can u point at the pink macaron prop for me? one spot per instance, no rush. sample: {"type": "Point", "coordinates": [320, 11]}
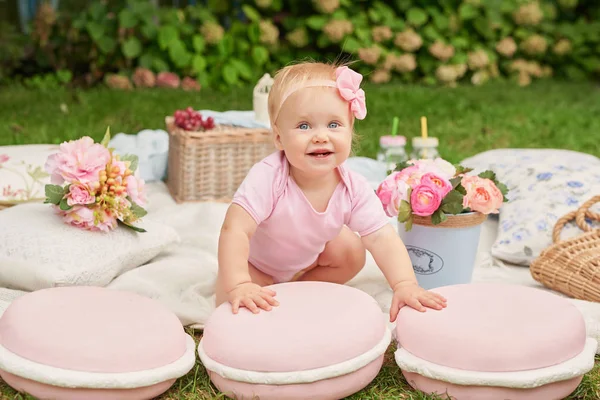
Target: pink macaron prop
{"type": "Point", "coordinates": [84, 342]}
{"type": "Point", "coordinates": [495, 341]}
{"type": "Point", "coordinates": [324, 341]}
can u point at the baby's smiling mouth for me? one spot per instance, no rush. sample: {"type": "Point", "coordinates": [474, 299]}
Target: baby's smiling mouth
{"type": "Point", "coordinates": [320, 153]}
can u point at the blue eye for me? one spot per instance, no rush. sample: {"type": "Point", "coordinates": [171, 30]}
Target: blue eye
{"type": "Point", "coordinates": [333, 125]}
{"type": "Point", "coordinates": [303, 126]}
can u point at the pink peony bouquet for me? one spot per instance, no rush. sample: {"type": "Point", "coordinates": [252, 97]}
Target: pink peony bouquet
{"type": "Point", "coordinates": [94, 189]}
{"type": "Point", "coordinates": [436, 188]}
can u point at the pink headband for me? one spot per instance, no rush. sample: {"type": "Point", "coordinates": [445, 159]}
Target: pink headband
{"type": "Point", "coordinates": [348, 82]}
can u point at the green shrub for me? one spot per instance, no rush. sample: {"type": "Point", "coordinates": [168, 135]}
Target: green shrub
{"type": "Point", "coordinates": [428, 41]}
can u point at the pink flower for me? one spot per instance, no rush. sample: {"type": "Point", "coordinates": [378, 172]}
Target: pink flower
{"type": "Point", "coordinates": [92, 219]}
{"type": "Point", "coordinates": [3, 158]}
{"type": "Point", "coordinates": [391, 192]}
{"type": "Point", "coordinates": [425, 199]}
{"type": "Point", "coordinates": [443, 185]}
{"type": "Point", "coordinates": [79, 194]}
{"type": "Point", "coordinates": [80, 160]}
{"type": "Point", "coordinates": [411, 175]}
{"type": "Point", "coordinates": [135, 189]}
{"type": "Point", "coordinates": [482, 195]}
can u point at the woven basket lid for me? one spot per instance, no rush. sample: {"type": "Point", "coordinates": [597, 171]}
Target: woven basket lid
{"type": "Point", "coordinates": [92, 329]}
{"type": "Point", "coordinates": [494, 328]}
{"type": "Point", "coordinates": [316, 325]}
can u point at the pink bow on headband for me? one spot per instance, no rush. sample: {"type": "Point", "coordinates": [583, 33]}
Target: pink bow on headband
{"type": "Point", "coordinates": [348, 82]}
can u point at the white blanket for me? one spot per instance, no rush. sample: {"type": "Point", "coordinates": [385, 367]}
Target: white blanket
{"type": "Point", "coordinates": [183, 277]}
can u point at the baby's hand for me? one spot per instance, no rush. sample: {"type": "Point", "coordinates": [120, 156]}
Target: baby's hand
{"type": "Point", "coordinates": [411, 294]}
{"type": "Point", "coordinates": [251, 296]}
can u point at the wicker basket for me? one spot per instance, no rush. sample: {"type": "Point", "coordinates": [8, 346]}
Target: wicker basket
{"type": "Point", "coordinates": [210, 165]}
{"type": "Point", "coordinates": [572, 266]}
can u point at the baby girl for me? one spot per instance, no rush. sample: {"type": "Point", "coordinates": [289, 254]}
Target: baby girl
{"type": "Point", "coordinates": [300, 214]}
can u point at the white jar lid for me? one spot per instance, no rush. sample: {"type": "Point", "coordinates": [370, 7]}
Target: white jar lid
{"type": "Point", "coordinates": [420, 141]}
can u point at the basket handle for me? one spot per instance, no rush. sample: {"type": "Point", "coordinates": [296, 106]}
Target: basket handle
{"type": "Point", "coordinates": [579, 215]}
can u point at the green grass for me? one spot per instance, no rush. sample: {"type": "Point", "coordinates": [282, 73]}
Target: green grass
{"type": "Point", "coordinates": [389, 384]}
{"type": "Point", "coordinates": [467, 120]}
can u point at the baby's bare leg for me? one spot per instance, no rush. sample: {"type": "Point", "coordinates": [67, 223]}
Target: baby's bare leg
{"type": "Point", "coordinates": [341, 260]}
{"type": "Point", "coordinates": [258, 277]}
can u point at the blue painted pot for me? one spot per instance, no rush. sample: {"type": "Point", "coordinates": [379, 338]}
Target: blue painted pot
{"type": "Point", "coordinates": [443, 254]}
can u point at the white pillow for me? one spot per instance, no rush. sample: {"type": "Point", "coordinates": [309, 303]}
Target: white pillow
{"type": "Point", "coordinates": [540, 194]}
{"type": "Point", "coordinates": [503, 160]}
{"type": "Point", "coordinates": [38, 250]}
{"type": "Point", "coordinates": [22, 174]}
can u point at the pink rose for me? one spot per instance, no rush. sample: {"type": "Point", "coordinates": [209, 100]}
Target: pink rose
{"type": "Point", "coordinates": [425, 199]}
{"type": "Point", "coordinates": [3, 158]}
{"type": "Point", "coordinates": [92, 219]}
{"type": "Point", "coordinates": [79, 194]}
{"type": "Point", "coordinates": [78, 161]}
{"type": "Point", "coordinates": [135, 189]}
{"type": "Point", "coordinates": [482, 195]}
{"type": "Point", "coordinates": [442, 184]}
{"type": "Point", "coordinates": [411, 175]}
{"type": "Point", "coordinates": [391, 192]}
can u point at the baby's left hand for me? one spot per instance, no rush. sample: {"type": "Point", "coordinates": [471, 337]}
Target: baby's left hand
{"type": "Point", "coordinates": [411, 294]}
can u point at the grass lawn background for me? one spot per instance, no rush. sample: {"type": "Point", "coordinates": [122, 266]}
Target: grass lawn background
{"type": "Point", "coordinates": [467, 120]}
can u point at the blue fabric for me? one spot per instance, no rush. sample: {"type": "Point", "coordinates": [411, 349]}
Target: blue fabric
{"type": "Point", "coordinates": [234, 117]}
{"type": "Point", "coordinates": [152, 149]}
{"type": "Point", "coordinates": [152, 145]}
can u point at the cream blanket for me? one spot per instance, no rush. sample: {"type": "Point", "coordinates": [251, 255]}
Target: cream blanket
{"type": "Point", "coordinates": [183, 277]}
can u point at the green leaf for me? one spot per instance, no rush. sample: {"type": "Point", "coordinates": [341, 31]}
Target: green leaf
{"type": "Point", "coordinates": [462, 170]}
{"type": "Point", "coordinates": [133, 159]}
{"type": "Point", "coordinates": [488, 174]}
{"type": "Point", "coordinates": [438, 217]}
{"type": "Point", "coordinates": [242, 67]}
{"type": "Point", "coordinates": [37, 173]}
{"type": "Point", "coordinates": [351, 45]}
{"type": "Point", "coordinates": [455, 181]}
{"type": "Point", "coordinates": [199, 43]}
{"type": "Point", "coordinates": [132, 47]}
{"type": "Point", "coordinates": [166, 35]}
{"type": "Point", "coordinates": [95, 30]}
{"type": "Point", "coordinates": [452, 203]}
{"type": "Point", "coordinates": [230, 74]}
{"type": "Point", "coordinates": [404, 211]}
{"type": "Point", "coordinates": [106, 138]}
{"type": "Point", "coordinates": [316, 22]}
{"type": "Point", "coordinates": [198, 63]}
{"type": "Point", "coordinates": [135, 228]}
{"type": "Point", "coordinates": [64, 205]}
{"type": "Point", "coordinates": [251, 13]}
{"type": "Point", "coordinates": [138, 211]}
{"type": "Point", "coordinates": [260, 55]}
{"type": "Point", "coordinates": [416, 16]}
{"type": "Point", "coordinates": [106, 44]}
{"type": "Point", "coordinates": [127, 18]}
{"type": "Point", "coordinates": [467, 11]}
{"type": "Point", "coordinates": [54, 194]}
{"type": "Point", "coordinates": [401, 165]}
{"type": "Point", "coordinates": [408, 224]}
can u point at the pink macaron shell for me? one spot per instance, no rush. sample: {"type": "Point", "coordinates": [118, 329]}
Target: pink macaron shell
{"type": "Point", "coordinates": [317, 324]}
{"type": "Point", "coordinates": [92, 329]}
{"type": "Point", "coordinates": [494, 328]}
{"type": "Point", "coordinates": [551, 391]}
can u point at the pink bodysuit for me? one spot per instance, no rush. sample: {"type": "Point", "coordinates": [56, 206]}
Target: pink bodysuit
{"type": "Point", "coordinates": [290, 233]}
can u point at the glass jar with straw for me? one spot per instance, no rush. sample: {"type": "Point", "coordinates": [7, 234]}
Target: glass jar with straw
{"type": "Point", "coordinates": [424, 147]}
{"type": "Point", "coordinates": [391, 148]}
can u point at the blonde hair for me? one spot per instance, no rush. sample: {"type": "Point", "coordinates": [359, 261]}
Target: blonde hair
{"type": "Point", "coordinates": [293, 77]}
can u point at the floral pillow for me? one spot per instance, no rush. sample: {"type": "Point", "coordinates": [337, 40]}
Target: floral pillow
{"type": "Point", "coordinates": [544, 185]}
{"type": "Point", "coordinates": [22, 175]}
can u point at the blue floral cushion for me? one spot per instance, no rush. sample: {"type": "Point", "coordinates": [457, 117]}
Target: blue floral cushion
{"type": "Point", "coordinates": [544, 185]}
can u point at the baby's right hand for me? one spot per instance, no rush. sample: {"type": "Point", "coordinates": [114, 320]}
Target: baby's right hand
{"type": "Point", "coordinates": [252, 296]}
